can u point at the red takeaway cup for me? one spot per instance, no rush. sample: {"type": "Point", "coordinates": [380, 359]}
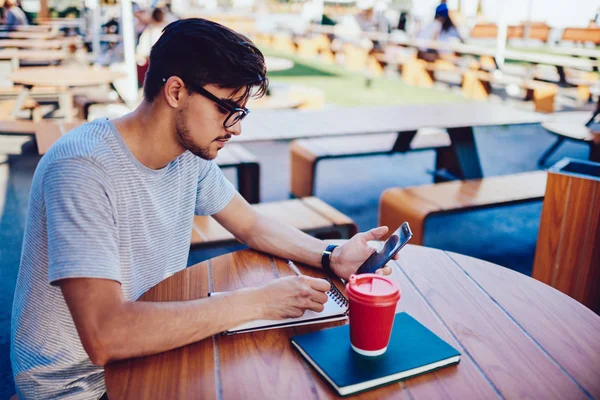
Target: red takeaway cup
{"type": "Point", "coordinates": [373, 300]}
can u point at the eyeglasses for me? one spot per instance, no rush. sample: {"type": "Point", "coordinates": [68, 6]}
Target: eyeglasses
{"type": "Point", "coordinates": [236, 114]}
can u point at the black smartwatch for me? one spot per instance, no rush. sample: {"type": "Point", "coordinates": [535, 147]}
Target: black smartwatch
{"type": "Point", "coordinates": [326, 258]}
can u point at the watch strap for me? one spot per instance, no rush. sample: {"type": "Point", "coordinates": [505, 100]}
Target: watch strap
{"type": "Point", "coordinates": [326, 258]}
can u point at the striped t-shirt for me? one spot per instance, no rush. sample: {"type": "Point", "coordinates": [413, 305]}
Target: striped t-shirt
{"type": "Point", "coordinates": [95, 211]}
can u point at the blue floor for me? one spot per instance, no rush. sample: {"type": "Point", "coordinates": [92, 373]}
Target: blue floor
{"type": "Point", "coordinates": [505, 236]}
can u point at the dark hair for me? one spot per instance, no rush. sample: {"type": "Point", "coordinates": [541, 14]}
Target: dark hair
{"type": "Point", "coordinates": [205, 52]}
{"type": "Point", "coordinates": [158, 15]}
{"type": "Point", "coordinates": [447, 24]}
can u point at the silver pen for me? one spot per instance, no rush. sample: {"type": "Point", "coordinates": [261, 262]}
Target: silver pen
{"type": "Point", "coordinates": [293, 267]}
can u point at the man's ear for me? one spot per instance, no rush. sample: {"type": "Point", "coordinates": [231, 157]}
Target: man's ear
{"type": "Point", "coordinates": [174, 90]}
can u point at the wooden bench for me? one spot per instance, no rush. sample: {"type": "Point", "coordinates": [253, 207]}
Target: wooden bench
{"type": "Point", "coordinates": [538, 30]}
{"type": "Point", "coordinates": [581, 35]}
{"type": "Point", "coordinates": [478, 85]}
{"type": "Point", "coordinates": [30, 105]}
{"type": "Point", "coordinates": [490, 31]}
{"type": "Point", "coordinates": [416, 204]}
{"type": "Point", "coordinates": [306, 153]}
{"type": "Point", "coordinates": [309, 214]}
{"type": "Point", "coordinates": [422, 73]}
{"type": "Point", "coordinates": [247, 169]}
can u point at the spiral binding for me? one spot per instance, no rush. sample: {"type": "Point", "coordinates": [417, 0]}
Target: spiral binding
{"type": "Point", "coordinates": [337, 296]}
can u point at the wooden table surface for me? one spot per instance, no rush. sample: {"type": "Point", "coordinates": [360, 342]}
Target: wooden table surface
{"type": "Point", "coordinates": [64, 76]}
{"type": "Point", "coordinates": [25, 28]}
{"type": "Point", "coordinates": [519, 338]}
{"type": "Point", "coordinates": [27, 35]}
{"type": "Point", "coordinates": [30, 44]}
{"type": "Point", "coordinates": [32, 55]}
{"type": "Point", "coordinates": [292, 124]}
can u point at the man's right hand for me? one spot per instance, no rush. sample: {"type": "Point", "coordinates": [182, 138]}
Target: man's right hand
{"type": "Point", "coordinates": [290, 297]}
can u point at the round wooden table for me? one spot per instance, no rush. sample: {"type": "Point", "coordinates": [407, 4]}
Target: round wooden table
{"type": "Point", "coordinates": [61, 77]}
{"type": "Point", "coordinates": [519, 338]}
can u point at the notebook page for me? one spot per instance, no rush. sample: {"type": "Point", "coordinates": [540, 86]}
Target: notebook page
{"type": "Point", "coordinates": [332, 308]}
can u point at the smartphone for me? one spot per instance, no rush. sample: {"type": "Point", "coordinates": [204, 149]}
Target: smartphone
{"type": "Point", "coordinates": [387, 250]}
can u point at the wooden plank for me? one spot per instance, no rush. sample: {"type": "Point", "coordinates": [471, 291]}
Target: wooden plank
{"type": "Point", "coordinates": [504, 188]}
{"type": "Point", "coordinates": [24, 127]}
{"type": "Point", "coordinates": [480, 192]}
{"type": "Point", "coordinates": [574, 246]}
{"type": "Point", "coordinates": [207, 229]}
{"type": "Point", "coordinates": [184, 373]}
{"type": "Point", "coordinates": [320, 385]}
{"type": "Point", "coordinates": [582, 35]}
{"type": "Point", "coordinates": [506, 355]}
{"type": "Point", "coordinates": [64, 76]}
{"type": "Point", "coordinates": [398, 205]}
{"type": "Point", "coordinates": [564, 328]}
{"type": "Point", "coordinates": [463, 381]}
{"type": "Point", "coordinates": [30, 44]}
{"type": "Point", "coordinates": [447, 195]}
{"type": "Point", "coordinates": [47, 133]}
{"type": "Point", "coordinates": [295, 213]}
{"type": "Point", "coordinates": [548, 243]}
{"type": "Point", "coordinates": [324, 209]}
{"type": "Point", "coordinates": [258, 362]}
{"type": "Point", "coordinates": [588, 282]}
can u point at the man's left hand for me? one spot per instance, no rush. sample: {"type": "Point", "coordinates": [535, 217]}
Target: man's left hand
{"type": "Point", "coordinates": [346, 258]}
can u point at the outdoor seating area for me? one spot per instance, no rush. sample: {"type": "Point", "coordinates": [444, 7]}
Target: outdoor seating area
{"type": "Point", "coordinates": [475, 122]}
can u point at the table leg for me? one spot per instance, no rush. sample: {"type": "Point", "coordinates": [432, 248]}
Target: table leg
{"type": "Point", "coordinates": [248, 177]}
{"type": "Point", "coordinates": [594, 152]}
{"type": "Point", "coordinates": [113, 87]}
{"type": "Point", "coordinates": [20, 101]}
{"type": "Point", "coordinates": [65, 101]}
{"type": "Point", "coordinates": [561, 74]}
{"type": "Point", "coordinates": [461, 159]}
{"type": "Point", "coordinates": [402, 143]}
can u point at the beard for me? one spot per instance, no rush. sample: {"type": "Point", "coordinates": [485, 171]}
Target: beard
{"type": "Point", "coordinates": [185, 139]}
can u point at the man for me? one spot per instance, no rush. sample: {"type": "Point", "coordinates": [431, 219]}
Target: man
{"type": "Point", "coordinates": [111, 213]}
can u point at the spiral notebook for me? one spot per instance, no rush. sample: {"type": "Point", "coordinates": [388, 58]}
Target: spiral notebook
{"type": "Point", "coordinates": [336, 309]}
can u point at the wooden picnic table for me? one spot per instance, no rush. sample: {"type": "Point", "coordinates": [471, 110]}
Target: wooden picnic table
{"type": "Point", "coordinates": [16, 56]}
{"type": "Point", "coordinates": [62, 77]}
{"type": "Point", "coordinates": [519, 338]}
{"type": "Point", "coordinates": [458, 119]}
{"type": "Point", "coordinates": [62, 22]}
{"type": "Point", "coordinates": [27, 35]}
{"type": "Point", "coordinates": [30, 44]}
{"type": "Point", "coordinates": [558, 61]}
{"type": "Point", "coordinates": [25, 28]}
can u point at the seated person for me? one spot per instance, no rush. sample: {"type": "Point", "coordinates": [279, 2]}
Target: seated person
{"type": "Point", "coordinates": [13, 14]}
{"type": "Point", "coordinates": [442, 29]}
{"type": "Point", "coordinates": [111, 213]}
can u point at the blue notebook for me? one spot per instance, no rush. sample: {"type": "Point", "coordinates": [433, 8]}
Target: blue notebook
{"type": "Point", "coordinates": [413, 350]}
